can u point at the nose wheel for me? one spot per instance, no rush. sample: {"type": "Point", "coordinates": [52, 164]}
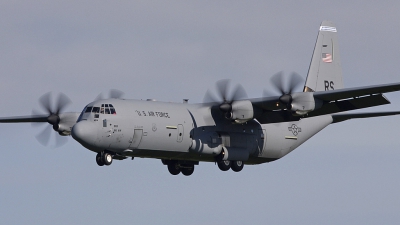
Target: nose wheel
{"type": "Point", "coordinates": [104, 158]}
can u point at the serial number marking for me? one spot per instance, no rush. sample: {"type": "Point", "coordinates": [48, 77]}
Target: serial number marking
{"type": "Point", "coordinates": [151, 113]}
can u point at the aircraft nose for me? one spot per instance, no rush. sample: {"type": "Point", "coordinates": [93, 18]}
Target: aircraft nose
{"type": "Point", "coordinates": [84, 132]}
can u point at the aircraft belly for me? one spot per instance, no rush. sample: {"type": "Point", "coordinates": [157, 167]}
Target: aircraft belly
{"type": "Point", "coordinates": [282, 138]}
{"type": "Point", "coordinates": [189, 156]}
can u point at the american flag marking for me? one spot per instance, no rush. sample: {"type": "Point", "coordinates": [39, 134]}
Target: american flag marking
{"type": "Point", "coordinates": [326, 57]}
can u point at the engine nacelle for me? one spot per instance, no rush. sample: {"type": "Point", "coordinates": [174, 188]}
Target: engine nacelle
{"type": "Point", "coordinates": [242, 111]}
{"type": "Point", "coordinates": [236, 154]}
{"type": "Point", "coordinates": [67, 121]}
{"type": "Point", "coordinates": [304, 102]}
{"type": "Point", "coordinates": [62, 129]}
{"type": "Point", "coordinates": [209, 143]}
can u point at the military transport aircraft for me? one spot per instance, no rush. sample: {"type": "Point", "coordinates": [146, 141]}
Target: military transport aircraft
{"type": "Point", "coordinates": [228, 128]}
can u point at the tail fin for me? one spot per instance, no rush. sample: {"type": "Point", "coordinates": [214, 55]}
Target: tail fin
{"type": "Point", "coordinates": [325, 72]}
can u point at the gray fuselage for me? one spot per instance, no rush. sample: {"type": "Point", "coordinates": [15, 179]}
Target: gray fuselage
{"type": "Point", "coordinates": [182, 131]}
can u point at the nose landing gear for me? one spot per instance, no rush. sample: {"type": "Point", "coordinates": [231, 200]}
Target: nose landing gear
{"type": "Point", "coordinates": [104, 158]}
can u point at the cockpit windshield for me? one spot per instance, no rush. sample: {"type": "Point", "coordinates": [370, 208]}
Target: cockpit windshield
{"type": "Point", "coordinates": [88, 109]}
{"type": "Point", "coordinates": [104, 109]}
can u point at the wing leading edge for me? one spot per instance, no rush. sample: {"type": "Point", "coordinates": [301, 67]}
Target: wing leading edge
{"type": "Point", "coordinates": [24, 119]}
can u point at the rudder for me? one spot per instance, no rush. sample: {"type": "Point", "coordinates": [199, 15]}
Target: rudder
{"type": "Point", "coordinates": [325, 72]}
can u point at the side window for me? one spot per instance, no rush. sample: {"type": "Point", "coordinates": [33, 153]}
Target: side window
{"type": "Point", "coordinates": [112, 109]}
{"type": "Point", "coordinates": [88, 109]}
{"type": "Point", "coordinates": [96, 109]}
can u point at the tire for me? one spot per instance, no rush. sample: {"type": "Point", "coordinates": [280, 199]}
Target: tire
{"type": "Point", "coordinates": [187, 171]}
{"type": "Point", "coordinates": [107, 159]}
{"type": "Point", "coordinates": [99, 160]}
{"type": "Point", "coordinates": [237, 166]}
{"type": "Point", "coordinates": [173, 168]}
{"type": "Point", "coordinates": [224, 165]}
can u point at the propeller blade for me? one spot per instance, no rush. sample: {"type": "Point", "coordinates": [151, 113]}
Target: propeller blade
{"type": "Point", "coordinates": [60, 140]}
{"type": "Point", "coordinates": [222, 89]}
{"type": "Point", "coordinates": [294, 81]}
{"type": "Point", "coordinates": [209, 97]}
{"type": "Point", "coordinates": [99, 97]}
{"type": "Point", "coordinates": [34, 113]}
{"type": "Point", "coordinates": [52, 117]}
{"type": "Point", "coordinates": [277, 83]}
{"type": "Point", "coordinates": [44, 136]}
{"type": "Point", "coordinates": [239, 93]}
{"type": "Point", "coordinates": [62, 102]}
{"type": "Point", "coordinates": [45, 102]}
{"type": "Point", "coordinates": [114, 93]}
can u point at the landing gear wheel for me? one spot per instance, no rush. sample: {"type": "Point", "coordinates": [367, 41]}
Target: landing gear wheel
{"type": "Point", "coordinates": [174, 169]}
{"type": "Point", "coordinates": [224, 165]}
{"type": "Point", "coordinates": [237, 166]}
{"type": "Point", "coordinates": [99, 160]}
{"type": "Point", "coordinates": [107, 159]}
{"type": "Point", "coordinates": [187, 171]}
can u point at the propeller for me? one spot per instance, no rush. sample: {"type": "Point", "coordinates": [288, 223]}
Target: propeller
{"type": "Point", "coordinates": [224, 97]}
{"type": "Point", "coordinates": [53, 117]}
{"type": "Point", "coordinates": [113, 93]}
{"type": "Point", "coordinates": [285, 87]}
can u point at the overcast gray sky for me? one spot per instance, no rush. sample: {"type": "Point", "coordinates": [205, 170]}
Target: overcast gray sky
{"type": "Point", "coordinates": [170, 50]}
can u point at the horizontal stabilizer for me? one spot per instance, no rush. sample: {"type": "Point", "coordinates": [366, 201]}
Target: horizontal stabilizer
{"type": "Point", "coordinates": [347, 116]}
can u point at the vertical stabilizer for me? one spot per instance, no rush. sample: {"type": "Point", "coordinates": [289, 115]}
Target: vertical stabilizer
{"type": "Point", "coordinates": [325, 72]}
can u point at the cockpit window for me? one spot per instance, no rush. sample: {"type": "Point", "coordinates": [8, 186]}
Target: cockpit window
{"type": "Point", "coordinates": [104, 109]}
{"type": "Point", "coordinates": [96, 110]}
{"type": "Point", "coordinates": [107, 109]}
{"type": "Point", "coordinates": [88, 109]}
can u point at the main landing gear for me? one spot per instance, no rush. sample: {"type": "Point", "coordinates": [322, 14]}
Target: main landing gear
{"type": "Point", "coordinates": [104, 158]}
{"type": "Point", "coordinates": [225, 165]}
{"type": "Point", "coordinates": [175, 167]}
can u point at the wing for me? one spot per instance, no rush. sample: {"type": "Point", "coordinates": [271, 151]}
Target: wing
{"type": "Point", "coordinates": [342, 117]}
{"type": "Point", "coordinates": [24, 119]}
{"type": "Point", "coordinates": [326, 102]}
{"type": "Point", "coordinates": [345, 93]}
